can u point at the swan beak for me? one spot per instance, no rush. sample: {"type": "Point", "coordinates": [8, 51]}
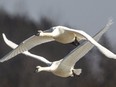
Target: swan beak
{"type": "Point", "coordinates": [39, 31]}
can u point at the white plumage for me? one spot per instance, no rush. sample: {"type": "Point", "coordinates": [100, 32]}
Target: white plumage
{"type": "Point", "coordinates": [27, 53]}
{"type": "Point", "coordinates": [65, 66]}
{"type": "Point", "coordinates": [58, 33]}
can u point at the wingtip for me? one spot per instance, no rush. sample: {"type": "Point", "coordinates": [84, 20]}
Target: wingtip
{"type": "Point", "coordinates": [1, 61]}
{"type": "Point", "coordinates": [4, 37]}
{"type": "Point", "coordinates": [110, 21]}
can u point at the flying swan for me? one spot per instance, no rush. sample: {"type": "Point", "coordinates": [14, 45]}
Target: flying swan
{"type": "Point", "coordinates": [65, 66]}
{"type": "Point", "coordinates": [60, 34]}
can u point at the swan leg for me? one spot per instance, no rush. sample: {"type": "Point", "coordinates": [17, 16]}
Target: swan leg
{"type": "Point", "coordinates": [75, 42]}
{"type": "Point", "coordinates": [39, 69]}
{"type": "Point", "coordinates": [77, 71]}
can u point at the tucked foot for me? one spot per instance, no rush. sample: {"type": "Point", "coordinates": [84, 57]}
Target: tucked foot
{"type": "Point", "coordinates": [75, 42]}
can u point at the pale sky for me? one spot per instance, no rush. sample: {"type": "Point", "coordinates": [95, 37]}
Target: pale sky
{"type": "Point", "coordinates": [88, 15]}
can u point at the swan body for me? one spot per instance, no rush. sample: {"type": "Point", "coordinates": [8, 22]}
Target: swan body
{"type": "Point", "coordinates": [59, 33]}
{"type": "Point", "coordinates": [65, 66]}
{"type": "Point", "coordinates": [64, 35]}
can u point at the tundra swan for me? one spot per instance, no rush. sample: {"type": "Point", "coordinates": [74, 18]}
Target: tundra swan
{"type": "Point", "coordinates": [65, 66]}
{"type": "Point", "coordinates": [59, 33]}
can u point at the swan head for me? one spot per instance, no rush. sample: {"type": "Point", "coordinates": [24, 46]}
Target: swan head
{"type": "Point", "coordinates": [64, 35]}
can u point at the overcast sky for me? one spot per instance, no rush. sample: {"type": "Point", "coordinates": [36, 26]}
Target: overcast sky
{"type": "Point", "coordinates": [88, 15]}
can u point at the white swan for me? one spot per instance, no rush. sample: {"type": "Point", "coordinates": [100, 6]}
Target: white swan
{"type": "Point", "coordinates": [65, 66]}
{"type": "Point", "coordinates": [58, 33]}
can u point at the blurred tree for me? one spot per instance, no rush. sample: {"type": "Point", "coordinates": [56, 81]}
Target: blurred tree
{"type": "Point", "coordinates": [98, 71]}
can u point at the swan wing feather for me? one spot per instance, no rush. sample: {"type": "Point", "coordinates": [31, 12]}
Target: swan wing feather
{"type": "Point", "coordinates": [26, 45]}
{"type": "Point", "coordinates": [84, 48]}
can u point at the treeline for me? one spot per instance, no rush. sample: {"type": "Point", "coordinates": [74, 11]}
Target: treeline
{"type": "Point", "coordinates": [97, 71]}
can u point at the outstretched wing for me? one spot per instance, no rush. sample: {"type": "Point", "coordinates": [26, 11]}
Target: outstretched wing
{"type": "Point", "coordinates": [27, 53]}
{"type": "Point", "coordinates": [27, 45]}
{"type": "Point", "coordinates": [83, 49]}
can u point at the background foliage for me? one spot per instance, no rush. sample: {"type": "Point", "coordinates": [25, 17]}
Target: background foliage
{"type": "Point", "coordinates": [98, 71]}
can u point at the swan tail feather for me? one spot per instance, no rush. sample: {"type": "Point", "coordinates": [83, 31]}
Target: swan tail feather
{"type": "Point", "coordinates": [77, 71]}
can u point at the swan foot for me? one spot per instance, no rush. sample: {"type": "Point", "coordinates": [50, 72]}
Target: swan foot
{"type": "Point", "coordinates": [75, 43]}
